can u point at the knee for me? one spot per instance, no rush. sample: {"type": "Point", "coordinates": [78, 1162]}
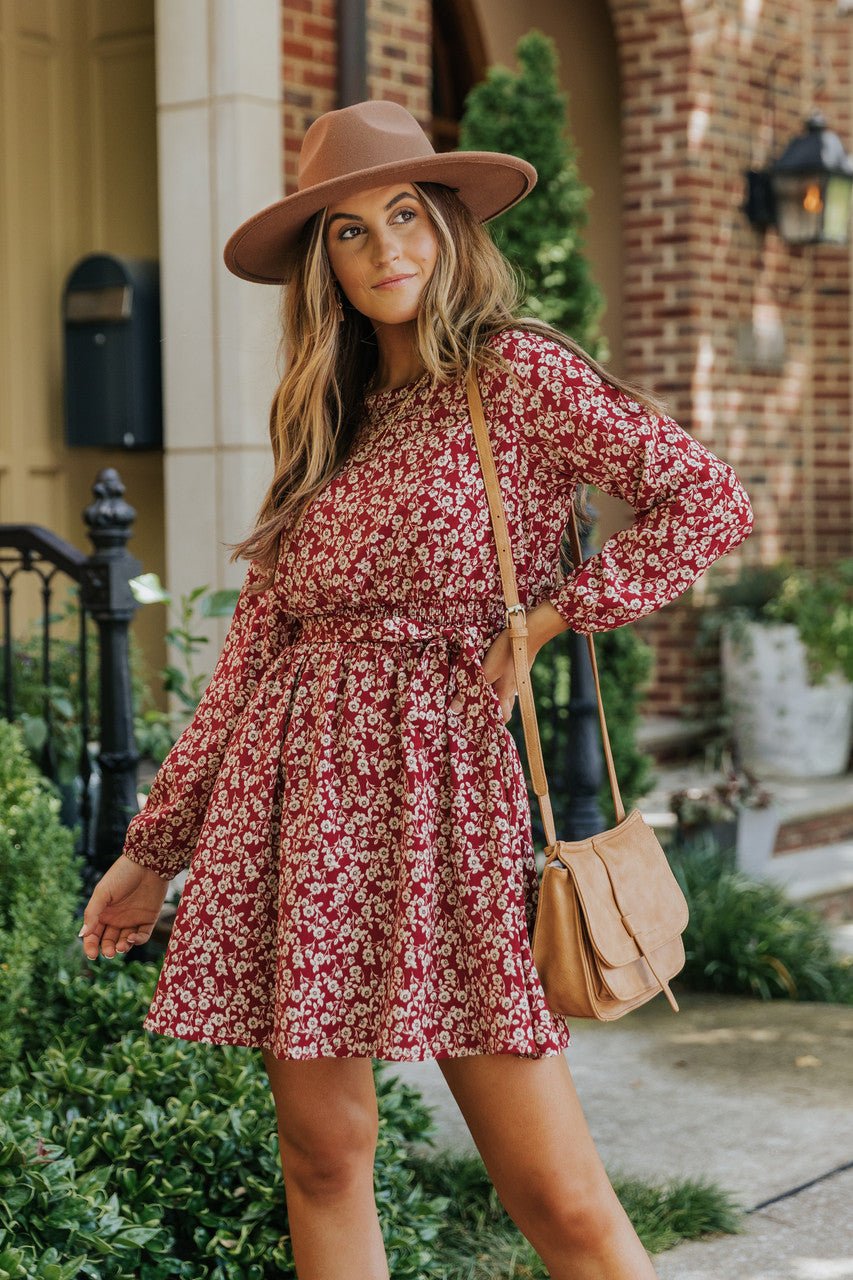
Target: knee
{"type": "Point", "coordinates": [330, 1161]}
{"type": "Point", "coordinates": [566, 1213]}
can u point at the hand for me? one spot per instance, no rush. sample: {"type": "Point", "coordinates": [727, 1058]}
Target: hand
{"type": "Point", "coordinates": [123, 908]}
{"type": "Point", "coordinates": [499, 670]}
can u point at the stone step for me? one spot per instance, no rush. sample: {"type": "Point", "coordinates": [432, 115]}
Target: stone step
{"type": "Point", "coordinates": [821, 876]}
{"type": "Point", "coordinates": [807, 830]}
{"type": "Point", "coordinates": [671, 737]}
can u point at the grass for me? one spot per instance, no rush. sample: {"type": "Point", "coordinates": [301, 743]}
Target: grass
{"type": "Point", "coordinates": [481, 1242]}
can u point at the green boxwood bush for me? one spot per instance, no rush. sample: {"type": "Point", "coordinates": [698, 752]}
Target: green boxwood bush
{"type": "Point", "coordinates": [745, 936]}
{"type": "Point", "coordinates": [165, 1152]}
{"type": "Point", "coordinates": [39, 889]}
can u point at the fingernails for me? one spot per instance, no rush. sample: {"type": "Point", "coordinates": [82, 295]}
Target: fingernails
{"type": "Point", "coordinates": [82, 931]}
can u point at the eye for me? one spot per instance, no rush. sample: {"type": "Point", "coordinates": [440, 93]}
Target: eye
{"type": "Point", "coordinates": [407, 211]}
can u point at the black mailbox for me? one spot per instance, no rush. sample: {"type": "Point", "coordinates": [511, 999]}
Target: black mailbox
{"type": "Point", "coordinates": [111, 314]}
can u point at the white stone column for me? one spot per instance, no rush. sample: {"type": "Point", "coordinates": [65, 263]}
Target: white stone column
{"type": "Point", "coordinates": [219, 160]}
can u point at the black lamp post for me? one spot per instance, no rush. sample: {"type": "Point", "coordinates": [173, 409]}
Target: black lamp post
{"type": "Point", "coordinates": [807, 193]}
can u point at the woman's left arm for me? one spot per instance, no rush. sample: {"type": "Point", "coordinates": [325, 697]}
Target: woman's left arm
{"type": "Point", "coordinates": [690, 505]}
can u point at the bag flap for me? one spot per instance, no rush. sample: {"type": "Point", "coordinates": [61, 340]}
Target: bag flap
{"type": "Point", "coordinates": [625, 865]}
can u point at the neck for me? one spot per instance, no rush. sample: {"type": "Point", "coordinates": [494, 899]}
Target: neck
{"type": "Point", "coordinates": [398, 362]}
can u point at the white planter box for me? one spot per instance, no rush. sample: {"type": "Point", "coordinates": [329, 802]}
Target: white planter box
{"type": "Point", "coordinates": [756, 836]}
{"type": "Point", "coordinates": [784, 726]}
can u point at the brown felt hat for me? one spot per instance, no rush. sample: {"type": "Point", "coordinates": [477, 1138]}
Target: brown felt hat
{"type": "Point", "coordinates": [368, 144]}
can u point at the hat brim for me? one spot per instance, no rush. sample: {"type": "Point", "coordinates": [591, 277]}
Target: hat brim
{"type": "Point", "coordinates": [489, 183]}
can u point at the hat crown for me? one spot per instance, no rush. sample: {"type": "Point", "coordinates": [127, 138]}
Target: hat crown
{"type": "Point", "coordinates": [361, 136]}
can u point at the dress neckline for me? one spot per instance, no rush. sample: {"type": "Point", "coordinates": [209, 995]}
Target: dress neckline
{"type": "Point", "coordinates": [390, 392]}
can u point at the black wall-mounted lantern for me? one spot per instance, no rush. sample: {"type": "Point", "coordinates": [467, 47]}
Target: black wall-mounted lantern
{"type": "Point", "coordinates": [807, 193]}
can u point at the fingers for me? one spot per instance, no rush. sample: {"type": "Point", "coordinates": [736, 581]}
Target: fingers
{"type": "Point", "coordinates": [111, 939]}
{"type": "Point", "coordinates": [93, 927]}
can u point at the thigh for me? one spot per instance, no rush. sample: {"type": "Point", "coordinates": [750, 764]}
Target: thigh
{"type": "Point", "coordinates": [325, 1106]}
{"type": "Point", "coordinates": [528, 1125]}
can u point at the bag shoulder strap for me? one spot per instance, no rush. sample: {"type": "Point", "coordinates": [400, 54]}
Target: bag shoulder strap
{"type": "Point", "coordinates": [517, 623]}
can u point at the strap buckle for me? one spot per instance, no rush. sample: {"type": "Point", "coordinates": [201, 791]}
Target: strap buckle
{"type": "Point", "coordinates": [515, 608]}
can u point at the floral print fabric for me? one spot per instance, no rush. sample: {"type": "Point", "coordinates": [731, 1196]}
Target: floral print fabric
{"type": "Point", "coordinates": [361, 874]}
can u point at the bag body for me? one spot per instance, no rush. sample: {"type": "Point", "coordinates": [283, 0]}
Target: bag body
{"type": "Point", "coordinates": [607, 934]}
{"type": "Point", "coordinates": [610, 912]}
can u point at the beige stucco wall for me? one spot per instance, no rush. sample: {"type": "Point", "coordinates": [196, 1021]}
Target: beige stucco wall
{"type": "Point", "coordinates": [79, 176]}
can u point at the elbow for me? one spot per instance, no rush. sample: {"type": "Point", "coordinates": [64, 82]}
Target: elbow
{"type": "Point", "coordinates": [739, 507]}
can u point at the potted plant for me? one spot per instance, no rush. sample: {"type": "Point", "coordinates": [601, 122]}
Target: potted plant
{"type": "Point", "coordinates": [787, 668]}
{"type": "Point", "coordinates": [737, 810]}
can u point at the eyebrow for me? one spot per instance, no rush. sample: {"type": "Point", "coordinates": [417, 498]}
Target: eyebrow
{"type": "Point", "coordinates": [404, 195]}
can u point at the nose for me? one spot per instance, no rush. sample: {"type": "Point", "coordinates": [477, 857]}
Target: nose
{"type": "Point", "coordinates": [385, 247]}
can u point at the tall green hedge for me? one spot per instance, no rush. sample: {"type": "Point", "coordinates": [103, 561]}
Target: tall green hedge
{"type": "Point", "coordinates": [39, 888]}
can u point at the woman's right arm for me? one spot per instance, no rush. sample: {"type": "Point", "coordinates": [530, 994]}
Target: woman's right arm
{"type": "Point", "coordinates": [163, 835]}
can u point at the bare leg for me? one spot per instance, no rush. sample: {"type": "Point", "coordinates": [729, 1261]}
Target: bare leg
{"type": "Point", "coordinates": [328, 1124]}
{"type": "Point", "coordinates": [527, 1122]}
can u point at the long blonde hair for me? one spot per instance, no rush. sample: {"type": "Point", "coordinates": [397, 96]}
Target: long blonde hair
{"type": "Point", "coordinates": [472, 294]}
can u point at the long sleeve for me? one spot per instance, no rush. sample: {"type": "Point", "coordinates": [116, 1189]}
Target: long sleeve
{"type": "Point", "coordinates": [690, 506]}
{"type": "Point", "coordinates": [163, 835]}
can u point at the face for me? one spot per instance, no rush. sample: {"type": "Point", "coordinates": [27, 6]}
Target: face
{"type": "Point", "coordinates": [376, 234]}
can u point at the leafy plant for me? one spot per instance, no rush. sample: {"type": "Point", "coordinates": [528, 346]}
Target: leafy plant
{"type": "Point", "coordinates": [57, 1220]}
{"type": "Point", "coordinates": [624, 664]}
{"type": "Point", "coordinates": [49, 712]}
{"type": "Point", "coordinates": [819, 603]}
{"type": "Point", "coordinates": [156, 731]}
{"type": "Point", "coordinates": [525, 113]}
{"type": "Point", "coordinates": [39, 885]}
{"type": "Point", "coordinates": [738, 789]}
{"type": "Point", "coordinates": [166, 1151]}
{"type": "Point", "coordinates": [745, 936]}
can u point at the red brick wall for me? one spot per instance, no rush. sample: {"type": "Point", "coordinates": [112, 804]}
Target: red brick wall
{"type": "Point", "coordinates": [309, 73]}
{"type": "Point", "coordinates": [398, 64]}
{"type": "Point", "coordinates": [399, 57]}
{"type": "Point", "coordinates": [695, 115]}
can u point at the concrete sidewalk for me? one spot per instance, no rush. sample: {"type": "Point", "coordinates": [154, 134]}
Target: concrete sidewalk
{"type": "Point", "coordinates": [755, 1095]}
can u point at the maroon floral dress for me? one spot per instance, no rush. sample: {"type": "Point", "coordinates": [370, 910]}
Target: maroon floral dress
{"type": "Point", "coordinates": [361, 872]}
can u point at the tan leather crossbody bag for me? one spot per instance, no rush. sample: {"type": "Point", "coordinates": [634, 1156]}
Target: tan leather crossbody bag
{"type": "Point", "coordinates": [610, 913]}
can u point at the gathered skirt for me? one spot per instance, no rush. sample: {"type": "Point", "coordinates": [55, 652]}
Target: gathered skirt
{"type": "Point", "coordinates": [364, 882]}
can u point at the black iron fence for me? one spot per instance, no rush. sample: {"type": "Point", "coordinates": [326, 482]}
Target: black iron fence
{"type": "Point", "coordinates": [107, 784]}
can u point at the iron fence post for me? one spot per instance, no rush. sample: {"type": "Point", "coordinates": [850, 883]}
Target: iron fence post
{"type": "Point", "coordinates": [106, 594]}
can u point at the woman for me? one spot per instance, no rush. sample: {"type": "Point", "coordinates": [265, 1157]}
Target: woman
{"type": "Point", "coordinates": [352, 808]}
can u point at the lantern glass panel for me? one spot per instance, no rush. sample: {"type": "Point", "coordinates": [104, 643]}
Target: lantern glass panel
{"type": "Point", "coordinates": [836, 220]}
{"type": "Point", "coordinates": [800, 205]}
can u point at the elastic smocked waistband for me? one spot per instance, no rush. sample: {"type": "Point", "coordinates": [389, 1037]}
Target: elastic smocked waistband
{"type": "Point", "coordinates": [386, 627]}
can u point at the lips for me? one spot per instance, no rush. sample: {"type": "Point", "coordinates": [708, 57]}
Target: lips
{"type": "Point", "coordinates": [393, 280]}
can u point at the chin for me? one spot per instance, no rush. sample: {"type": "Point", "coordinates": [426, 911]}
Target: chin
{"type": "Point", "coordinates": [399, 314]}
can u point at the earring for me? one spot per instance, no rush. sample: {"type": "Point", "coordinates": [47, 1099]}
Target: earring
{"type": "Point", "coordinates": [339, 305]}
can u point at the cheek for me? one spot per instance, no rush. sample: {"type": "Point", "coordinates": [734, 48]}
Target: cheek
{"type": "Point", "coordinates": [427, 250]}
{"type": "Point", "coordinates": [345, 269]}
